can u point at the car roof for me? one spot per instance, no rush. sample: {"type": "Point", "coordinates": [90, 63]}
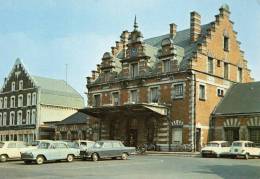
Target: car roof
{"type": "Point", "coordinates": [109, 141]}
{"type": "Point", "coordinates": [13, 141]}
{"type": "Point", "coordinates": [218, 141]}
{"type": "Point", "coordinates": [244, 141]}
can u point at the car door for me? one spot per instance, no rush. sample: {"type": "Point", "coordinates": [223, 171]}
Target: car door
{"type": "Point", "coordinates": [117, 149]}
{"type": "Point", "coordinates": [21, 147]}
{"type": "Point", "coordinates": [12, 151]}
{"type": "Point", "coordinates": [107, 149]}
{"type": "Point", "coordinates": [61, 150]}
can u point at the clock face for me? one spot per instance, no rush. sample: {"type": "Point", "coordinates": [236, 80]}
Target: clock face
{"type": "Point", "coordinates": [133, 52]}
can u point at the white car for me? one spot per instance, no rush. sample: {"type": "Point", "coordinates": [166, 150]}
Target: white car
{"type": "Point", "coordinates": [215, 149]}
{"type": "Point", "coordinates": [11, 150]}
{"type": "Point", "coordinates": [244, 148]}
{"type": "Point", "coordinates": [85, 144]}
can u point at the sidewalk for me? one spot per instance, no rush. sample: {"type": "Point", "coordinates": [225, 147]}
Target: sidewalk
{"type": "Point", "coordinates": [178, 154]}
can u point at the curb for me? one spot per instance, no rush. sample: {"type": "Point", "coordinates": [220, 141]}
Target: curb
{"type": "Point", "coordinates": [173, 154]}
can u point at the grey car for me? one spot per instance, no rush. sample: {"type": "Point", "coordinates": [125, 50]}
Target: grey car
{"type": "Point", "coordinates": [108, 149]}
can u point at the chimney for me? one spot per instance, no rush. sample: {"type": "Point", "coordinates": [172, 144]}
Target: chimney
{"type": "Point", "coordinates": [195, 28]}
{"type": "Point", "coordinates": [94, 75]}
{"type": "Point", "coordinates": [98, 68]}
{"type": "Point", "coordinates": [173, 30]}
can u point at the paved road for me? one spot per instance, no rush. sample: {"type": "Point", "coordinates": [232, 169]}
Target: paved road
{"type": "Point", "coordinates": [137, 167]}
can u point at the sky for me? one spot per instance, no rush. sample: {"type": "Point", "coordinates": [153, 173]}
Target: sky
{"type": "Point", "coordinates": [48, 34]}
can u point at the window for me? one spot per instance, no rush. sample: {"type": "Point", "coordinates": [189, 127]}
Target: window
{"type": "Point", "coordinates": [20, 84]}
{"type": "Point", "coordinates": [20, 100]}
{"type": "Point", "coordinates": [29, 99]}
{"type": "Point", "coordinates": [116, 145]}
{"type": "Point", "coordinates": [167, 66]}
{"type": "Point", "coordinates": [1, 103]}
{"type": "Point", "coordinates": [106, 75]}
{"type": "Point", "coordinates": [134, 96]}
{"type": "Point", "coordinates": [34, 99]}
{"type": "Point", "coordinates": [13, 86]}
{"type": "Point", "coordinates": [19, 117]}
{"type": "Point", "coordinates": [28, 117]}
{"type": "Point", "coordinates": [4, 119]}
{"type": "Point", "coordinates": [226, 71]}
{"type": "Point", "coordinates": [220, 92]}
{"type": "Point", "coordinates": [1, 119]}
{"type": "Point", "coordinates": [134, 70]}
{"type": "Point", "coordinates": [218, 63]}
{"type": "Point", "coordinates": [12, 102]}
{"type": "Point", "coordinates": [239, 75]}
{"type": "Point", "coordinates": [231, 134]}
{"type": "Point", "coordinates": [178, 90]}
{"type": "Point", "coordinates": [210, 65]}
{"type": "Point", "coordinates": [202, 95]}
{"type": "Point", "coordinates": [33, 119]}
{"type": "Point", "coordinates": [96, 100]}
{"type": "Point", "coordinates": [107, 145]}
{"type": "Point", "coordinates": [5, 102]}
{"type": "Point", "coordinates": [254, 135]}
{"type": "Point", "coordinates": [154, 95]}
{"type": "Point", "coordinates": [12, 118]}
{"type": "Point", "coordinates": [11, 145]}
{"type": "Point", "coordinates": [115, 98]}
{"type": "Point", "coordinates": [226, 43]}
{"type": "Point", "coordinates": [177, 135]}
{"type": "Point", "coordinates": [60, 146]}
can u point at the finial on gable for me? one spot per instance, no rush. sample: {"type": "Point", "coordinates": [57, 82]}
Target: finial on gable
{"type": "Point", "coordinates": [18, 61]}
{"type": "Point", "coordinates": [135, 24]}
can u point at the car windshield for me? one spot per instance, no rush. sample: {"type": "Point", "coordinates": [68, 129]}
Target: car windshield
{"type": "Point", "coordinates": [212, 145]}
{"type": "Point", "coordinates": [2, 144]}
{"type": "Point", "coordinates": [98, 144]}
{"type": "Point", "coordinates": [35, 143]}
{"type": "Point", "coordinates": [44, 145]}
{"type": "Point", "coordinates": [237, 144]}
{"type": "Point", "coordinates": [73, 145]}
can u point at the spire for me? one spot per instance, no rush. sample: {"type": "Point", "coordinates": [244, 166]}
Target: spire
{"type": "Point", "coordinates": [135, 24]}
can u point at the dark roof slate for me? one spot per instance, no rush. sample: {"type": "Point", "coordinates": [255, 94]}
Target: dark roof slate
{"type": "Point", "coordinates": [76, 118]}
{"type": "Point", "coordinates": [241, 98]}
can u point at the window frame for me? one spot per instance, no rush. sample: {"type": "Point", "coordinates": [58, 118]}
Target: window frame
{"type": "Point", "coordinates": [210, 65]}
{"type": "Point", "coordinates": [174, 90]}
{"type": "Point", "coordinates": [134, 70]}
{"type": "Point", "coordinates": [167, 63]}
{"type": "Point", "coordinates": [131, 96]}
{"type": "Point", "coordinates": [226, 43]}
{"type": "Point", "coordinates": [150, 94]}
{"type": "Point", "coordinates": [202, 98]}
{"type": "Point", "coordinates": [95, 101]}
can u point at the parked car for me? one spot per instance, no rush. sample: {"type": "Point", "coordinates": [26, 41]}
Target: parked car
{"type": "Point", "coordinates": [216, 149]}
{"type": "Point", "coordinates": [50, 151]}
{"type": "Point", "coordinates": [244, 148]}
{"type": "Point", "coordinates": [108, 149]}
{"type": "Point", "coordinates": [11, 150]}
{"type": "Point", "coordinates": [85, 144]}
{"type": "Point", "coordinates": [36, 143]}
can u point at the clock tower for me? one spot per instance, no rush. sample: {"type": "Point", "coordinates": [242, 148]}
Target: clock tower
{"type": "Point", "coordinates": [135, 62]}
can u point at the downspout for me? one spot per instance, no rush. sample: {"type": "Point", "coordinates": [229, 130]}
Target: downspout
{"type": "Point", "coordinates": [193, 114]}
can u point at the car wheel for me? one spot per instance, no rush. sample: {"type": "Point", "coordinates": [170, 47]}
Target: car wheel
{"type": "Point", "coordinates": [114, 158]}
{"type": "Point", "coordinates": [40, 160]}
{"type": "Point", "coordinates": [70, 158]}
{"type": "Point", "coordinates": [247, 156]}
{"type": "Point", "coordinates": [27, 161]}
{"type": "Point", "coordinates": [94, 157]}
{"type": "Point", "coordinates": [124, 156]}
{"type": "Point", "coordinates": [3, 158]}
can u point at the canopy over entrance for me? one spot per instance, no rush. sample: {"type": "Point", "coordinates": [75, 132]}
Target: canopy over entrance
{"type": "Point", "coordinates": [127, 110]}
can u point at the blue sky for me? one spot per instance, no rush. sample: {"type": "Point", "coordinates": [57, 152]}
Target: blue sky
{"type": "Point", "coordinates": [47, 34]}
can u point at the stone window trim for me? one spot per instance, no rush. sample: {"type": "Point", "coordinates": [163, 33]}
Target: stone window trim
{"type": "Point", "coordinates": [1, 119]}
{"type": "Point", "coordinates": [12, 102]}
{"type": "Point", "coordinates": [183, 90]}
{"type": "Point", "coordinates": [13, 86]}
{"type": "Point", "coordinates": [130, 95]}
{"type": "Point", "coordinates": [100, 101]}
{"type": "Point", "coordinates": [4, 118]}
{"type": "Point", "coordinates": [149, 93]}
{"type": "Point", "coordinates": [29, 99]}
{"type": "Point", "coordinates": [239, 74]}
{"type": "Point", "coordinates": [202, 98]}
{"type": "Point", "coordinates": [213, 65]}
{"type": "Point", "coordinates": [21, 85]}
{"type": "Point", "coordinates": [5, 102]}
{"type": "Point", "coordinates": [34, 116]}
{"type": "Point", "coordinates": [12, 118]}
{"type": "Point", "coordinates": [34, 98]}
{"type": "Point", "coordinates": [112, 96]}
{"type": "Point", "coordinates": [134, 71]}
{"type": "Point", "coordinates": [28, 117]}
{"type": "Point", "coordinates": [220, 92]}
{"type": "Point", "coordinates": [167, 61]}
{"type": "Point", "coordinates": [226, 43]}
{"type": "Point", "coordinates": [20, 100]}
{"type": "Point", "coordinates": [20, 120]}
{"type": "Point", "coordinates": [228, 70]}
{"type": "Point", "coordinates": [1, 103]}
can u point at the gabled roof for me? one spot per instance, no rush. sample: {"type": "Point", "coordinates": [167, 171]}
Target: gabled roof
{"type": "Point", "coordinates": [58, 93]}
{"type": "Point", "coordinates": [52, 92]}
{"type": "Point", "coordinates": [76, 118]}
{"type": "Point", "coordinates": [241, 98]}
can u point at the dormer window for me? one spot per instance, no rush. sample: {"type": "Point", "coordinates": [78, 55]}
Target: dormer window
{"type": "Point", "coordinates": [13, 86]}
{"type": "Point", "coordinates": [226, 43]}
{"type": "Point", "coordinates": [115, 98]}
{"type": "Point", "coordinates": [134, 70]}
{"type": "Point", "coordinates": [167, 66]}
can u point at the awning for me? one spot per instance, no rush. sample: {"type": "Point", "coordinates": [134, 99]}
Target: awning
{"type": "Point", "coordinates": [127, 110]}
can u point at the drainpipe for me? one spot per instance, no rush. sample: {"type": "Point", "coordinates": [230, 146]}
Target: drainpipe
{"type": "Point", "coordinates": [193, 115]}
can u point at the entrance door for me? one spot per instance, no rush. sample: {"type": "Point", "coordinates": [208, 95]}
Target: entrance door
{"type": "Point", "coordinates": [133, 137]}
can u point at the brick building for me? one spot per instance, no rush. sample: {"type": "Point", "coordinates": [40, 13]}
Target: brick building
{"type": "Point", "coordinates": [30, 105]}
{"type": "Point", "coordinates": [163, 89]}
{"type": "Point", "coordinates": [237, 116]}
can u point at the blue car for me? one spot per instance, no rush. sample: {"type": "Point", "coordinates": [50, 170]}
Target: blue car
{"type": "Point", "coordinates": [50, 151]}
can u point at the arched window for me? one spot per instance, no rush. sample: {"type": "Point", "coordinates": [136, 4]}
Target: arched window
{"type": "Point", "coordinates": [5, 102]}
{"type": "Point", "coordinates": [13, 86]}
{"type": "Point", "coordinates": [4, 119]}
{"type": "Point", "coordinates": [12, 118]}
{"type": "Point", "coordinates": [12, 102]}
{"type": "Point", "coordinates": [1, 103]}
{"type": "Point", "coordinates": [29, 99]}
{"type": "Point", "coordinates": [1, 119]}
{"type": "Point", "coordinates": [19, 117]}
{"type": "Point", "coordinates": [20, 84]}
{"type": "Point", "coordinates": [33, 119]}
{"type": "Point", "coordinates": [20, 100]}
{"type": "Point", "coordinates": [34, 99]}
{"type": "Point", "coordinates": [28, 117]}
